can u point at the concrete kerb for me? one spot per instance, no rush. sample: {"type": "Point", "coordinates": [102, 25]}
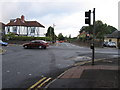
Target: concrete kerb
{"type": "Point", "coordinates": [74, 65]}
{"type": "Point", "coordinates": [55, 79]}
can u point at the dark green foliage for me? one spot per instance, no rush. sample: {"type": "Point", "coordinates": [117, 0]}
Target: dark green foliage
{"type": "Point", "coordinates": [12, 36]}
{"type": "Point", "coordinates": [61, 37]}
{"type": "Point", "coordinates": [26, 38]}
{"type": "Point", "coordinates": [100, 29]}
{"type": "Point", "coordinates": [50, 33]}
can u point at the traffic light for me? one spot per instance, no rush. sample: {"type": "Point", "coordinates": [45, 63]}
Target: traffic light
{"type": "Point", "coordinates": [88, 17]}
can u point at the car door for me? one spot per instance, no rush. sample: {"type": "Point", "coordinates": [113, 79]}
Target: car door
{"type": "Point", "coordinates": [33, 44]}
{"type": "Point", "coordinates": [40, 44]}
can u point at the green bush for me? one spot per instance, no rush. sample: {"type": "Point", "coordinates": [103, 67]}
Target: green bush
{"type": "Point", "coordinates": [28, 38]}
{"type": "Point", "coordinates": [43, 38]}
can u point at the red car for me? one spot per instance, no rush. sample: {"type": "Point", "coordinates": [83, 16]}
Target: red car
{"type": "Point", "coordinates": [36, 44]}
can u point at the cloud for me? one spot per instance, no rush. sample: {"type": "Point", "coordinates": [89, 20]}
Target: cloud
{"type": "Point", "coordinates": [68, 15]}
{"type": "Point", "coordinates": [65, 23]}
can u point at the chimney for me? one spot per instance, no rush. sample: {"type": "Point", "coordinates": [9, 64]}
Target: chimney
{"type": "Point", "coordinates": [22, 18]}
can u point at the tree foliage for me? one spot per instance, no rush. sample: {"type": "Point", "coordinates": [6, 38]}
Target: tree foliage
{"type": "Point", "coordinates": [100, 29]}
{"type": "Point", "coordinates": [50, 33]}
{"type": "Point", "coordinates": [61, 37]}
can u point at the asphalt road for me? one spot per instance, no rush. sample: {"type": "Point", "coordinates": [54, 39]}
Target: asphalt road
{"type": "Point", "coordinates": [21, 67]}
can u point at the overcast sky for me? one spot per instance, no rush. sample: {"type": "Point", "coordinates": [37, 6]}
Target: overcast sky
{"type": "Point", "coordinates": [67, 15]}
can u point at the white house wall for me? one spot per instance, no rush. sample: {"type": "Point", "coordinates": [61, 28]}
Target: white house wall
{"type": "Point", "coordinates": [23, 30]}
{"type": "Point", "coordinates": [6, 29]}
{"type": "Point", "coordinates": [42, 32]}
{"type": "Point", "coordinates": [39, 32]}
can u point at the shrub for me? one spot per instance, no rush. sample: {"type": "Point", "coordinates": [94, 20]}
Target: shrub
{"type": "Point", "coordinates": [29, 38]}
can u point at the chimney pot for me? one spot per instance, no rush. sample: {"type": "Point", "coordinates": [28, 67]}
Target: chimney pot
{"type": "Point", "coordinates": [22, 18]}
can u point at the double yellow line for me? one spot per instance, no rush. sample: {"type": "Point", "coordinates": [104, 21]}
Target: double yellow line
{"type": "Point", "coordinates": [40, 83]}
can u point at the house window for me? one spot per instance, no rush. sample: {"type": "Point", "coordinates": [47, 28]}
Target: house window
{"type": "Point", "coordinates": [15, 29]}
{"type": "Point", "coordinates": [32, 29]}
{"type": "Point", "coordinates": [8, 29]}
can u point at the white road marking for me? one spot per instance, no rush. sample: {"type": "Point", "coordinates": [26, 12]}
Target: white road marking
{"type": "Point", "coordinates": [29, 74]}
{"type": "Point", "coordinates": [7, 71]}
{"type": "Point", "coordinates": [18, 72]}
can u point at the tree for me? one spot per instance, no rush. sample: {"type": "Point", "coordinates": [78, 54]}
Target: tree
{"type": "Point", "coordinates": [100, 29]}
{"type": "Point", "coordinates": [70, 36]}
{"type": "Point", "coordinates": [60, 37]}
{"type": "Point", "coordinates": [51, 33]}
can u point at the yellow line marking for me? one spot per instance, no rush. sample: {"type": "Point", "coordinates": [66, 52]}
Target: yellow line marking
{"type": "Point", "coordinates": [37, 83]}
{"type": "Point", "coordinates": [88, 61]}
{"type": "Point", "coordinates": [43, 83]}
{"type": "Point", "coordinates": [79, 63]}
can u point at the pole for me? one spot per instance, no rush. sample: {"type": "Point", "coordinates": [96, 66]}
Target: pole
{"type": "Point", "coordinates": [54, 33]}
{"type": "Point", "coordinates": [93, 50]}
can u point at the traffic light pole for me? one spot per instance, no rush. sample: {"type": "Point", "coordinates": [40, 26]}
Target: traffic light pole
{"type": "Point", "coordinates": [93, 50]}
{"type": "Point", "coordinates": [88, 21]}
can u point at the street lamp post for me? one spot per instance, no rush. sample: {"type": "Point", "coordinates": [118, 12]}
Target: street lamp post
{"type": "Point", "coordinates": [54, 33]}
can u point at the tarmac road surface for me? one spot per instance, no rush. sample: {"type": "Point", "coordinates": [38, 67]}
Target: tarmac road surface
{"type": "Point", "coordinates": [22, 68]}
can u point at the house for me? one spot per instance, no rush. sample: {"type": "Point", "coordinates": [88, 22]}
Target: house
{"type": "Point", "coordinates": [2, 30]}
{"type": "Point", "coordinates": [114, 37]}
{"type": "Point", "coordinates": [21, 27]}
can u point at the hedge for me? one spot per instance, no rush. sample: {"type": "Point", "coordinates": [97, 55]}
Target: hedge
{"type": "Point", "coordinates": [28, 38]}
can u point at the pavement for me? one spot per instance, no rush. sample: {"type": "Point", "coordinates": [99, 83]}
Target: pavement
{"type": "Point", "coordinates": [103, 75]}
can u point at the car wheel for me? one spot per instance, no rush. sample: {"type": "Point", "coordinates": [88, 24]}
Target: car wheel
{"type": "Point", "coordinates": [25, 47]}
{"type": "Point", "coordinates": [40, 47]}
{"type": "Point", "coordinates": [44, 47]}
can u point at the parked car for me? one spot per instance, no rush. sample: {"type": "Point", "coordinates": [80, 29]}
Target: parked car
{"type": "Point", "coordinates": [105, 44]}
{"type": "Point", "coordinates": [111, 44]}
{"type": "Point", "coordinates": [3, 43]}
{"type": "Point", "coordinates": [36, 44]}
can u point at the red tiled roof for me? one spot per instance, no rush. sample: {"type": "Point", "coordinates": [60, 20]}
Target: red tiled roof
{"type": "Point", "coordinates": [19, 22]}
{"type": "Point", "coordinates": [16, 22]}
{"type": "Point", "coordinates": [33, 24]}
